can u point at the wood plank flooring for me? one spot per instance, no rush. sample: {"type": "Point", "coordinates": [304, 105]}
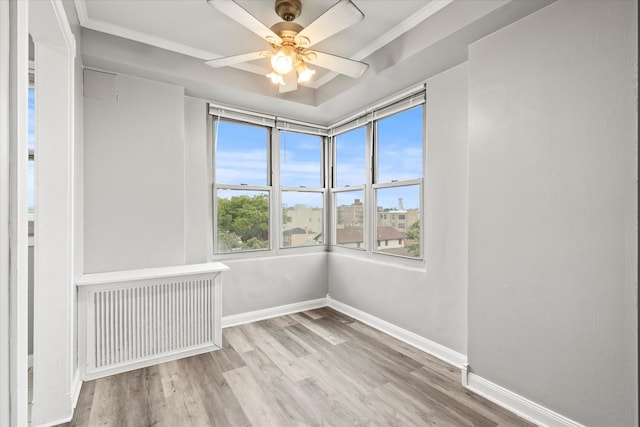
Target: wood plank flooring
{"type": "Point", "coordinates": [318, 368]}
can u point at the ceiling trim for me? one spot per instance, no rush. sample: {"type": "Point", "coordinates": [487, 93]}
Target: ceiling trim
{"type": "Point", "coordinates": [408, 24]}
{"type": "Point", "coordinates": [116, 30]}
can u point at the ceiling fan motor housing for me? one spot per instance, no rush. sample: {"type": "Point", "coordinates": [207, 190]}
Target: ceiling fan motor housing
{"type": "Point", "coordinates": [288, 10]}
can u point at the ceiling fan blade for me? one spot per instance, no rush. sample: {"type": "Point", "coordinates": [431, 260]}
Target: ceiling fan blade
{"type": "Point", "coordinates": [236, 12]}
{"type": "Point", "coordinates": [290, 82]}
{"type": "Point", "coordinates": [345, 66]}
{"type": "Point", "coordinates": [236, 59]}
{"type": "Point", "coordinates": [341, 15]}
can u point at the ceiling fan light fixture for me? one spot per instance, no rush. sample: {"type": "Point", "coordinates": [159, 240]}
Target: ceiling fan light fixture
{"type": "Point", "coordinates": [282, 61]}
{"type": "Point", "coordinates": [276, 78]}
{"type": "Point", "coordinates": [304, 73]}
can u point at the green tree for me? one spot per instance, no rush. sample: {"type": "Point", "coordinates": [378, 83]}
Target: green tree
{"type": "Point", "coordinates": [243, 221]}
{"type": "Point", "coordinates": [413, 239]}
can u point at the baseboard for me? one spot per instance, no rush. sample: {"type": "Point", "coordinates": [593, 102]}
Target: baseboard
{"type": "Point", "coordinates": [76, 386]}
{"type": "Point", "coordinates": [54, 423]}
{"type": "Point", "coordinates": [441, 352]}
{"type": "Point", "coordinates": [268, 313]}
{"type": "Point", "coordinates": [517, 404]}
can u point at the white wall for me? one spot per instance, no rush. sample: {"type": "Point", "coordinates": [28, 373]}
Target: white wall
{"type": "Point", "coordinates": [133, 173]}
{"type": "Point", "coordinates": [54, 240]}
{"type": "Point", "coordinates": [430, 302]}
{"type": "Point", "coordinates": [78, 185]}
{"type": "Point", "coordinates": [553, 210]}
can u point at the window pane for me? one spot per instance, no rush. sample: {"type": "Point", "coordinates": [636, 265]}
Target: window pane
{"type": "Point", "coordinates": [350, 219]}
{"type": "Point", "coordinates": [398, 220]}
{"type": "Point", "coordinates": [31, 188]}
{"type": "Point", "coordinates": [350, 158]}
{"type": "Point", "coordinates": [32, 118]}
{"type": "Point", "coordinates": [31, 169]}
{"type": "Point", "coordinates": [242, 220]}
{"type": "Point", "coordinates": [300, 160]}
{"type": "Point", "coordinates": [302, 216]}
{"type": "Point", "coordinates": [241, 153]}
{"type": "Point", "coordinates": [399, 146]}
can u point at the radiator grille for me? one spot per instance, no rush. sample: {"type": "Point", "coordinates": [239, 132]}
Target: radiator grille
{"type": "Point", "coordinates": [144, 322]}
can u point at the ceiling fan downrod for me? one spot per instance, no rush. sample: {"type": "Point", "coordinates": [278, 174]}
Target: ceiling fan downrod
{"type": "Point", "coordinates": [288, 10]}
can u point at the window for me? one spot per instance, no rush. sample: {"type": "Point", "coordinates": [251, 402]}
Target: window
{"type": "Point", "coordinates": [378, 172]}
{"type": "Point", "coordinates": [350, 177]}
{"type": "Point", "coordinates": [302, 189]}
{"type": "Point", "coordinates": [350, 158]}
{"type": "Point", "coordinates": [397, 187]}
{"type": "Point", "coordinates": [271, 181]}
{"type": "Point", "coordinates": [242, 188]}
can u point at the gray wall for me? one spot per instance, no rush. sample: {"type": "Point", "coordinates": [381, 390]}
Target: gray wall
{"type": "Point", "coordinates": [147, 192]}
{"type": "Point", "coordinates": [553, 210]}
{"type": "Point", "coordinates": [259, 283]}
{"type": "Point", "coordinates": [430, 302]}
{"type": "Point", "coordinates": [133, 173]}
{"type": "Point", "coordinates": [196, 181]}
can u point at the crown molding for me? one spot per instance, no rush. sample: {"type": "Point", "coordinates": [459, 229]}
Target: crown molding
{"type": "Point", "coordinates": [117, 30]}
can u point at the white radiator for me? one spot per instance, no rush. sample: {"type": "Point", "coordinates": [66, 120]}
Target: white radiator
{"type": "Point", "coordinates": [137, 318]}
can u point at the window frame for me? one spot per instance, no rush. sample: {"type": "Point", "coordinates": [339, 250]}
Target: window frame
{"type": "Point", "coordinates": [241, 187]}
{"type": "Point", "coordinates": [370, 121]}
{"type": "Point", "coordinates": [303, 189]}
{"type": "Point", "coordinates": [367, 119]}
{"type": "Point", "coordinates": [274, 126]}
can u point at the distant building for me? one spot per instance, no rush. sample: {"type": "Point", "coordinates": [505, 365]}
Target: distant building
{"type": "Point", "coordinates": [386, 237]}
{"type": "Point", "coordinates": [298, 237]}
{"type": "Point", "coordinates": [389, 238]}
{"type": "Point", "coordinates": [352, 237]}
{"type": "Point", "coordinates": [398, 219]}
{"type": "Point", "coordinates": [350, 215]}
{"type": "Point", "coordinates": [303, 216]}
{"type": "Point", "coordinates": [300, 225]}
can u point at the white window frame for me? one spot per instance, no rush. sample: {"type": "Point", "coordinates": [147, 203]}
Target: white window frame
{"type": "Point", "coordinates": [369, 118]}
{"type": "Point", "coordinates": [303, 128]}
{"type": "Point", "coordinates": [268, 188]}
{"type": "Point", "coordinates": [275, 126]}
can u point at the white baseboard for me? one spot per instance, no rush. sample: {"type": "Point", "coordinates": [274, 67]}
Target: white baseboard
{"type": "Point", "coordinates": [268, 313]}
{"type": "Point", "coordinates": [54, 423]}
{"type": "Point", "coordinates": [441, 352]}
{"type": "Point", "coordinates": [76, 386]}
{"type": "Point", "coordinates": [517, 404]}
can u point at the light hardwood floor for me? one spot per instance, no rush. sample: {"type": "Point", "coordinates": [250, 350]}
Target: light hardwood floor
{"type": "Point", "coordinates": [317, 368]}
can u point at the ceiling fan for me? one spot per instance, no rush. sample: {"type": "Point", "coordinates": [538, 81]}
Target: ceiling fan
{"type": "Point", "coordinates": [291, 42]}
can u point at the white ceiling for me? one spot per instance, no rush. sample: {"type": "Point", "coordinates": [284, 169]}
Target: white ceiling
{"type": "Point", "coordinates": [404, 41]}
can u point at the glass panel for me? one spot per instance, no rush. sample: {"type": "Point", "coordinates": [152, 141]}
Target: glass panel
{"type": "Point", "coordinates": [31, 193]}
{"type": "Point", "coordinates": [300, 160]}
{"type": "Point", "coordinates": [302, 216]}
{"type": "Point", "coordinates": [399, 146]}
{"type": "Point", "coordinates": [351, 158]}
{"type": "Point", "coordinates": [398, 220]}
{"type": "Point", "coordinates": [243, 220]}
{"type": "Point", "coordinates": [350, 219]}
{"type": "Point", "coordinates": [31, 169]}
{"type": "Point", "coordinates": [32, 119]}
{"type": "Point", "coordinates": [241, 153]}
